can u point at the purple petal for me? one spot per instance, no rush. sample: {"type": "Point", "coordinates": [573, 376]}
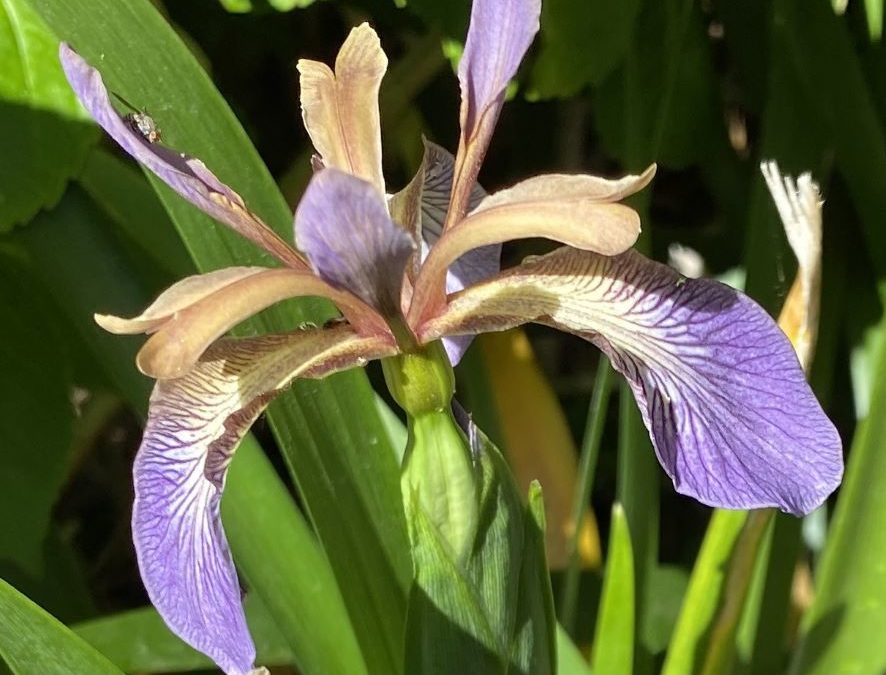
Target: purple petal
{"type": "Point", "coordinates": [343, 227]}
{"type": "Point", "coordinates": [189, 177]}
{"type": "Point", "coordinates": [475, 265]}
{"type": "Point", "coordinates": [733, 421]}
{"type": "Point", "coordinates": [499, 35]}
{"type": "Point", "coordinates": [194, 425]}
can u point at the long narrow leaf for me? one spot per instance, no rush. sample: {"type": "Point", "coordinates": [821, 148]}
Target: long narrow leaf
{"type": "Point", "coordinates": [614, 638]}
{"type": "Point", "coordinates": [843, 631]}
{"type": "Point", "coordinates": [34, 643]}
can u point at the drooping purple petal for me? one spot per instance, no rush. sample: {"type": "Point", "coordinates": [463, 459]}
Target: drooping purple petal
{"type": "Point", "coordinates": [343, 227]}
{"type": "Point", "coordinates": [727, 406]}
{"type": "Point", "coordinates": [188, 176]}
{"type": "Point", "coordinates": [499, 34]}
{"type": "Point", "coordinates": [475, 265]}
{"type": "Point", "coordinates": [194, 425]}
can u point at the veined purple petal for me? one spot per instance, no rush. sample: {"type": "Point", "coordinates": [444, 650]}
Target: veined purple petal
{"type": "Point", "coordinates": [194, 425]}
{"type": "Point", "coordinates": [499, 35]}
{"type": "Point", "coordinates": [475, 265]}
{"type": "Point", "coordinates": [188, 176]}
{"type": "Point", "coordinates": [343, 227]}
{"type": "Point", "coordinates": [732, 418]}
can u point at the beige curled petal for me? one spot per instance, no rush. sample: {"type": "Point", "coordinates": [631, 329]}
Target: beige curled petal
{"type": "Point", "coordinates": [176, 298]}
{"type": "Point", "coordinates": [585, 224]}
{"type": "Point", "coordinates": [340, 109]}
{"type": "Point", "coordinates": [576, 188]}
{"type": "Point", "coordinates": [799, 207]}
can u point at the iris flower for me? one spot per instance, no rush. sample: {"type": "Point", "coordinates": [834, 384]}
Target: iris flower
{"type": "Point", "coordinates": [732, 420]}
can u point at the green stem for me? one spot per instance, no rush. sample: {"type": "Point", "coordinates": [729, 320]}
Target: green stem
{"type": "Point", "coordinates": [590, 452]}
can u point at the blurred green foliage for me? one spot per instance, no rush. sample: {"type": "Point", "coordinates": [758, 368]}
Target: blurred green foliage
{"type": "Point", "coordinates": [705, 89]}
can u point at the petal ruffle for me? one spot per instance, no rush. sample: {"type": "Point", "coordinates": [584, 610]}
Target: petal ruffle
{"type": "Point", "coordinates": [193, 313]}
{"type": "Point", "coordinates": [573, 209]}
{"type": "Point", "coordinates": [727, 406]}
{"type": "Point", "coordinates": [340, 109]}
{"type": "Point", "coordinates": [343, 226]}
{"type": "Point", "coordinates": [194, 425]}
{"type": "Point", "coordinates": [189, 177]}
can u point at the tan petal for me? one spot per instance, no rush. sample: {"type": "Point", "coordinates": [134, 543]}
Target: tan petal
{"type": "Point", "coordinates": [531, 209]}
{"type": "Point", "coordinates": [577, 188]}
{"type": "Point", "coordinates": [340, 109]}
{"type": "Point", "coordinates": [177, 297]}
{"type": "Point", "coordinates": [194, 313]}
{"type": "Point", "coordinates": [799, 206]}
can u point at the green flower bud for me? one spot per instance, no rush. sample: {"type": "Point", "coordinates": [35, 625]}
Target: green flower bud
{"type": "Point", "coordinates": [420, 381]}
{"type": "Point", "coordinates": [438, 475]}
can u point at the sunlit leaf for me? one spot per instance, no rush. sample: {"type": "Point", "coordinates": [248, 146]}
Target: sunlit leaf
{"type": "Point", "coordinates": [614, 638]}
{"type": "Point", "coordinates": [843, 629]}
{"type": "Point", "coordinates": [44, 136]}
{"type": "Point", "coordinates": [139, 641]}
{"type": "Point", "coordinates": [34, 643]}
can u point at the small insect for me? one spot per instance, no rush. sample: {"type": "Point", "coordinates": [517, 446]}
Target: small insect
{"type": "Point", "coordinates": [141, 122]}
{"type": "Point", "coordinates": [144, 125]}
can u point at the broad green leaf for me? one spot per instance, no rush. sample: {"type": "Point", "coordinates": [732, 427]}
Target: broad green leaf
{"type": "Point", "coordinates": [581, 41]}
{"type": "Point", "coordinates": [614, 637]}
{"type": "Point", "coordinates": [274, 547]}
{"type": "Point", "coordinates": [843, 630]}
{"type": "Point", "coordinates": [36, 415]}
{"type": "Point", "coordinates": [330, 431]}
{"type": "Point", "coordinates": [44, 137]}
{"type": "Point", "coordinates": [34, 643]}
{"type": "Point", "coordinates": [137, 641]}
{"type": "Point", "coordinates": [534, 645]}
{"type": "Point", "coordinates": [492, 612]}
{"type": "Point", "coordinates": [284, 565]}
{"type": "Point", "coordinates": [125, 196]}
